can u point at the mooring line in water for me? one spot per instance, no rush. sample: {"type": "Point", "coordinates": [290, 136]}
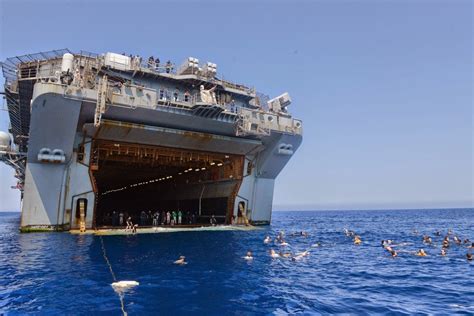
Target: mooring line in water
{"type": "Point", "coordinates": [122, 304]}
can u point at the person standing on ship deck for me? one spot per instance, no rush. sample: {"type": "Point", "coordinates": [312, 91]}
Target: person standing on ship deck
{"type": "Point", "coordinates": [143, 218]}
{"type": "Point", "coordinates": [163, 217]}
{"type": "Point", "coordinates": [121, 219]}
{"type": "Point", "coordinates": [173, 218]}
{"type": "Point", "coordinates": [213, 220]}
{"type": "Point", "coordinates": [180, 216]}
{"type": "Point", "coordinates": [155, 218]}
{"type": "Point", "coordinates": [168, 218]}
{"type": "Point", "coordinates": [114, 218]}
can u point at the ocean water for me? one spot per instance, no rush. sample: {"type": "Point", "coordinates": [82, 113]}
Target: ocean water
{"type": "Point", "coordinates": [60, 273]}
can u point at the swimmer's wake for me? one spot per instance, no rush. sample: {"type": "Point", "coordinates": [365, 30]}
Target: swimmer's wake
{"type": "Point", "coordinates": [119, 286]}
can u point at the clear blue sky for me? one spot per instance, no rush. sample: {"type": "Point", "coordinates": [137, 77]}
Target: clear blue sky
{"type": "Point", "coordinates": [385, 88]}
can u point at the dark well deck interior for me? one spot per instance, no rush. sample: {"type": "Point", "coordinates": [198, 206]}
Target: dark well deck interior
{"type": "Point", "coordinates": [132, 178]}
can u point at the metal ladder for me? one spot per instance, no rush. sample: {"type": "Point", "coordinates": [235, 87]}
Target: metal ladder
{"type": "Point", "coordinates": [101, 100]}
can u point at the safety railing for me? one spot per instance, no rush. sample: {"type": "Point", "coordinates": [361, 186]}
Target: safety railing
{"type": "Point", "coordinates": [255, 122]}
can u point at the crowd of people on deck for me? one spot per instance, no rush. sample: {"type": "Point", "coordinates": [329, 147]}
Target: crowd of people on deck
{"type": "Point", "coordinates": [120, 219]}
{"type": "Point", "coordinates": [153, 218]}
{"type": "Point", "coordinates": [152, 63]}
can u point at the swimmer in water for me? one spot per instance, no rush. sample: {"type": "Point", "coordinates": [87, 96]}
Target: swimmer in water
{"type": "Point", "coordinates": [469, 256]}
{"type": "Point", "coordinates": [471, 246]}
{"type": "Point", "coordinates": [392, 252]}
{"type": "Point", "coordinates": [280, 237]}
{"type": "Point", "coordinates": [285, 254]}
{"type": "Point", "coordinates": [267, 240]}
{"type": "Point", "coordinates": [349, 233]}
{"type": "Point", "coordinates": [427, 239]}
{"type": "Point", "coordinates": [283, 243]}
{"type": "Point", "coordinates": [300, 256]}
{"type": "Point", "coordinates": [303, 254]}
{"type": "Point", "coordinates": [357, 240]}
{"type": "Point", "coordinates": [437, 233]}
{"type": "Point", "coordinates": [466, 241]}
{"type": "Point", "coordinates": [248, 256]}
{"type": "Point", "coordinates": [446, 242]}
{"type": "Point", "coordinates": [443, 252]}
{"type": "Point", "coordinates": [273, 254]}
{"type": "Point", "coordinates": [181, 261]}
{"type": "Point", "coordinates": [457, 240]}
{"type": "Point", "coordinates": [421, 253]}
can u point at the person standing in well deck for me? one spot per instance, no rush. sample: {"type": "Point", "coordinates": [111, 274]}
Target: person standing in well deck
{"type": "Point", "coordinates": [121, 219]}
{"type": "Point", "coordinates": [168, 218]}
{"type": "Point", "coordinates": [180, 216]}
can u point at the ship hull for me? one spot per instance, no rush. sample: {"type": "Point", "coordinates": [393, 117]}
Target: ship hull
{"type": "Point", "coordinates": [143, 160]}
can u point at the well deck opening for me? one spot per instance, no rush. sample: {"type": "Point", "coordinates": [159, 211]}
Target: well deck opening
{"type": "Point", "coordinates": [137, 180]}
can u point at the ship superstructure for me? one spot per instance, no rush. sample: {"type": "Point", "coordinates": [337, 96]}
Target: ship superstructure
{"type": "Point", "coordinates": [95, 135]}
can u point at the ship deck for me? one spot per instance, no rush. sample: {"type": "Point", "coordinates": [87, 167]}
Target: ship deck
{"type": "Point", "coordinates": [105, 231]}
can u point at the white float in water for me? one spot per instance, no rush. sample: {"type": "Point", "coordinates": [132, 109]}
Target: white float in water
{"type": "Point", "coordinates": [121, 286]}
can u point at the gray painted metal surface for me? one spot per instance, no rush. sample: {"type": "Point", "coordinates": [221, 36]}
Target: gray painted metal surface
{"type": "Point", "coordinates": [141, 106]}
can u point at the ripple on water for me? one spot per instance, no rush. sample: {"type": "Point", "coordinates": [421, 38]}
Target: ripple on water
{"type": "Point", "coordinates": [62, 273]}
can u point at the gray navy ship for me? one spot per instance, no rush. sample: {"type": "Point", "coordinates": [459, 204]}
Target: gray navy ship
{"type": "Point", "coordinates": [93, 137]}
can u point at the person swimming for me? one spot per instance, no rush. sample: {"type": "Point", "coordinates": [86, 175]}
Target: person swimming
{"type": "Point", "coordinates": [181, 261]}
{"type": "Point", "coordinates": [421, 253]}
{"type": "Point", "coordinates": [300, 255]}
{"type": "Point", "coordinates": [283, 243]}
{"type": "Point", "coordinates": [248, 256]}
{"type": "Point", "coordinates": [267, 240]}
{"type": "Point", "coordinates": [457, 240]}
{"type": "Point", "coordinates": [443, 252]}
{"type": "Point", "coordinates": [349, 233]}
{"type": "Point", "coordinates": [280, 237]}
{"type": "Point", "coordinates": [469, 256]}
{"type": "Point", "coordinates": [446, 242]}
{"type": "Point", "coordinates": [427, 239]}
{"type": "Point", "coordinates": [273, 254]}
{"type": "Point", "coordinates": [466, 241]}
{"type": "Point", "coordinates": [285, 254]}
{"type": "Point", "coordinates": [390, 250]}
{"type": "Point", "coordinates": [357, 240]}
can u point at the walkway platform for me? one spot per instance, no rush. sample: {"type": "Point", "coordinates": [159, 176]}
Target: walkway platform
{"type": "Point", "coordinates": [166, 229]}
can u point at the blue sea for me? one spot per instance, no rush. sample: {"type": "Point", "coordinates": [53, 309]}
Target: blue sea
{"type": "Point", "coordinates": [61, 273]}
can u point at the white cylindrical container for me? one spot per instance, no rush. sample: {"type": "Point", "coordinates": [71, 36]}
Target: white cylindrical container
{"type": "Point", "coordinates": [68, 60]}
{"type": "Point", "coordinates": [5, 141]}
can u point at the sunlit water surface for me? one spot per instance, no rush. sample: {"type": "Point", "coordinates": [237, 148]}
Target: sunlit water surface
{"type": "Point", "coordinates": [60, 273]}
